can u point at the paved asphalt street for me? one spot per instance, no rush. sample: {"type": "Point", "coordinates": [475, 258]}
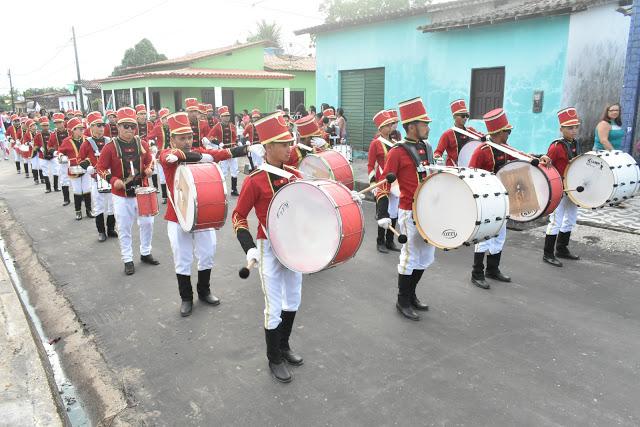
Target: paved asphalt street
{"type": "Point", "coordinates": [555, 347]}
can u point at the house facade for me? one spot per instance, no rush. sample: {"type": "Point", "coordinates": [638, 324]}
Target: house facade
{"type": "Point", "coordinates": [530, 57]}
{"type": "Point", "coordinates": [243, 76]}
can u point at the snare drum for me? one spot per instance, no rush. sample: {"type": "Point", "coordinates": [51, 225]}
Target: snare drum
{"type": "Point", "coordinates": [313, 225]}
{"type": "Point", "coordinates": [76, 170]}
{"type": "Point", "coordinates": [608, 177]}
{"type": "Point", "coordinates": [102, 185]}
{"type": "Point", "coordinates": [534, 191]}
{"type": "Point", "coordinates": [327, 165]}
{"type": "Point", "coordinates": [147, 200]}
{"type": "Point", "coordinates": [200, 196]}
{"type": "Point", "coordinates": [457, 206]}
{"type": "Point", "coordinates": [464, 156]}
{"type": "Point", "coordinates": [345, 150]}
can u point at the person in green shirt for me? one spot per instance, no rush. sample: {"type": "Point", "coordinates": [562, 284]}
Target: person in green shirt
{"type": "Point", "coordinates": [609, 131]}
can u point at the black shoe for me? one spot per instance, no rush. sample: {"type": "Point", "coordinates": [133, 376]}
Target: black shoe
{"type": "Point", "coordinates": [382, 248]}
{"type": "Point", "coordinates": [129, 268]}
{"type": "Point", "coordinates": [48, 190]}
{"type": "Point", "coordinates": [209, 299]}
{"type": "Point", "coordinates": [562, 248]}
{"type": "Point", "coordinates": [102, 237]}
{"type": "Point", "coordinates": [66, 202]}
{"type": "Point", "coordinates": [276, 363]}
{"type": "Point", "coordinates": [280, 371]}
{"type": "Point", "coordinates": [493, 268]}
{"type": "Point", "coordinates": [497, 275]}
{"type": "Point", "coordinates": [78, 215]}
{"type": "Point", "coordinates": [149, 259]}
{"type": "Point", "coordinates": [415, 303]}
{"type": "Point", "coordinates": [408, 312]}
{"type": "Point", "coordinates": [481, 283]}
{"type": "Point", "coordinates": [57, 190]}
{"type": "Point", "coordinates": [292, 358]}
{"type": "Point", "coordinates": [550, 259]}
{"type": "Point", "coordinates": [285, 327]}
{"type": "Point", "coordinates": [185, 308]}
{"type": "Point", "coordinates": [89, 214]}
{"type": "Point", "coordinates": [112, 233]}
{"type": "Point", "coordinates": [567, 255]}
{"type": "Point", "coordinates": [392, 246]}
{"type": "Point", "coordinates": [235, 193]}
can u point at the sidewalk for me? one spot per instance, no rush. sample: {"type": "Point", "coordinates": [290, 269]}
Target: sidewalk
{"type": "Point", "coordinates": [25, 395]}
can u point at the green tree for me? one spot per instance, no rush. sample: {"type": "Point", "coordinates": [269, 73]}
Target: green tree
{"type": "Point", "coordinates": [269, 31]}
{"type": "Point", "coordinates": [142, 53]}
{"type": "Point", "coordinates": [39, 91]}
{"type": "Point", "coordinates": [340, 10]}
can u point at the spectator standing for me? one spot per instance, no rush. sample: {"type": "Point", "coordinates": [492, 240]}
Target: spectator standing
{"type": "Point", "coordinates": [609, 131]}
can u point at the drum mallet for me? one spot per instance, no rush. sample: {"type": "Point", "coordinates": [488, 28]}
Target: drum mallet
{"type": "Point", "coordinates": [579, 189]}
{"type": "Point", "coordinates": [390, 179]}
{"type": "Point", "coordinates": [402, 238]}
{"type": "Point", "coordinates": [244, 271]}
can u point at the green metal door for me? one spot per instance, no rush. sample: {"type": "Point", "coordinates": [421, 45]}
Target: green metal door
{"type": "Point", "coordinates": [361, 97]}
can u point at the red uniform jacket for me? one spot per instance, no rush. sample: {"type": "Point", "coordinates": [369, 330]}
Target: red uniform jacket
{"type": "Point", "coordinates": [71, 149]}
{"type": "Point", "coordinates": [29, 138]}
{"type": "Point", "coordinates": [488, 158]}
{"type": "Point", "coordinates": [14, 134]}
{"type": "Point", "coordinates": [561, 152]}
{"type": "Point", "coordinates": [144, 131]}
{"type": "Point", "coordinates": [41, 144]}
{"type": "Point", "coordinates": [160, 135]}
{"type": "Point", "coordinates": [223, 134]}
{"type": "Point", "coordinates": [56, 138]}
{"type": "Point", "coordinates": [378, 149]}
{"type": "Point", "coordinates": [114, 162]}
{"type": "Point", "coordinates": [87, 152]}
{"type": "Point", "coordinates": [295, 156]}
{"type": "Point", "coordinates": [251, 134]}
{"type": "Point", "coordinates": [170, 170]}
{"type": "Point", "coordinates": [257, 191]}
{"type": "Point", "coordinates": [451, 142]}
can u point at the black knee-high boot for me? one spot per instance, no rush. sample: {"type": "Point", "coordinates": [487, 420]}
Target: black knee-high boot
{"type": "Point", "coordinates": [25, 166]}
{"type": "Point", "coordinates": [380, 242]}
{"type": "Point", "coordinates": [477, 273]}
{"type": "Point", "coordinates": [55, 183]}
{"type": "Point", "coordinates": [163, 188]}
{"type": "Point", "coordinates": [65, 195]}
{"type": "Point", "coordinates": [285, 332]}
{"type": "Point", "coordinates": [154, 179]}
{"type": "Point", "coordinates": [415, 302]}
{"type": "Point", "coordinates": [18, 167]}
{"type": "Point", "coordinates": [41, 176]}
{"type": "Point", "coordinates": [493, 268]}
{"type": "Point", "coordinates": [47, 184]}
{"type": "Point", "coordinates": [100, 223]}
{"type": "Point", "coordinates": [77, 203]}
{"type": "Point", "coordinates": [549, 247]}
{"type": "Point", "coordinates": [562, 247]}
{"type": "Point", "coordinates": [204, 287]}
{"type": "Point", "coordinates": [274, 354]}
{"type": "Point", "coordinates": [36, 175]}
{"type": "Point", "coordinates": [87, 204]}
{"type": "Point", "coordinates": [186, 294]}
{"type": "Point", "coordinates": [404, 297]}
{"type": "Point", "coordinates": [111, 226]}
{"type": "Point", "coordinates": [234, 186]}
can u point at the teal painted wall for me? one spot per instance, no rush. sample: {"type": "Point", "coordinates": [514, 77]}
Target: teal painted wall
{"type": "Point", "coordinates": [437, 67]}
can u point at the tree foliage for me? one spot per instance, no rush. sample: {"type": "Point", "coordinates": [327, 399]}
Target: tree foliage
{"type": "Point", "coordinates": [142, 53]}
{"type": "Point", "coordinates": [35, 91]}
{"type": "Point", "coordinates": [269, 31]}
{"type": "Point", "coordinates": [340, 10]}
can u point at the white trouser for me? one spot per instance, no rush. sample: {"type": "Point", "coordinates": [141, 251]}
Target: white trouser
{"type": "Point", "coordinates": [416, 254]}
{"type": "Point", "coordinates": [35, 162]}
{"type": "Point", "coordinates": [229, 167]}
{"type": "Point", "coordinates": [63, 168]}
{"type": "Point", "coordinates": [160, 172]}
{"type": "Point", "coordinates": [3, 147]}
{"type": "Point", "coordinates": [495, 244]}
{"type": "Point", "coordinates": [16, 156]}
{"type": "Point", "coordinates": [126, 210]}
{"type": "Point", "coordinates": [394, 202]}
{"type": "Point", "coordinates": [101, 202]}
{"type": "Point", "coordinates": [563, 218]}
{"type": "Point", "coordinates": [184, 244]}
{"type": "Point", "coordinates": [282, 287]}
{"type": "Point", "coordinates": [81, 184]}
{"type": "Point", "coordinates": [47, 167]}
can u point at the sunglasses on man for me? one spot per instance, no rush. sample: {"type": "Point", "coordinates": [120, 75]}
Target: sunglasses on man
{"type": "Point", "coordinates": [130, 126]}
{"type": "Point", "coordinates": [464, 116]}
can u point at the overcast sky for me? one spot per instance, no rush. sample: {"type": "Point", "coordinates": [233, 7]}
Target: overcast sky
{"type": "Point", "coordinates": [105, 29]}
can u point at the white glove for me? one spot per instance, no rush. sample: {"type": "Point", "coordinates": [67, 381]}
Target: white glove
{"type": "Point", "coordinates": [206, 158]}
{"type": "Point", "coordinates": [55, 153]}
{"type": "Point", "coordinates": [384, 223]}
{"type": "Point", "coordinates": [357, 197]}
{"type": "Point", "coordinates": [252, 254]}
{"type": "Point", "coordinates": [91, 170]}
{"type": "Point", "coordinates": [256, 149]}
{"type": "Point", "coordinates": [172, 158]}
{"type": "Point", "coordinates": [318, 142]}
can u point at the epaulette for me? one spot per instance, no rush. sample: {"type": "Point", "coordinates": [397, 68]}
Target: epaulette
{"type": "Point", "coordinates": [557, 141]}
{"type": "Point", "coordinates": [255, 172]}
{"type": "Point", "coordinates": [290, 168]}
{"type": "Point", "coordinates": [485, 146]}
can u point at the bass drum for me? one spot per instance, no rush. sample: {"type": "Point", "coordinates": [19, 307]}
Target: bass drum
{"type": "Point", "coordinates": [200, 196]}
{"type": "Point", "coordinates": [534, 191]}
{"type": "Point", "coordinates": [608, 178]}
{"type": "Point", "coordinates": [314, 225]}
{"type": "Point", "coordinates": [458, 206]}
{"type": "Point", "coordinates": [327, 164]}
{"type": "Point", "coordinates": [464, 157]}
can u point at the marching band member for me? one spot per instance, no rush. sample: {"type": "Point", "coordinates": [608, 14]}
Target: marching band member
{"type": "Point", "coordinates": [160, 136]}
{"type": "Point", "coordinates": [309, 135]}
{"type": "Point", "coordinates": [183, 243]}
{"type": "Point", "coordinates": [24, 154]}
{"type": "Point", "coordinates": [491, 159]}
{"type": "Point", "coordinates": [200, 128]}
{"type": "Point", "coordinates": [224, 135]}
{"type": "Point", "coordinates": [153, 117]}
{"type": "Point", "coordinates": [251, 135]}
{"type": "Point", "coordinates": [55, 141]}
{"type": "Point", "coordinates": [126, 163]}
{"type": "Point", "coordinates": [394, 135]}
{"type": "Point", "coordinates": [211, 118]}
{"type": "Point", "coordinates": [452, 142]}
{"type": "Point", "coordinates": [378, 151]}
{"type": "Point", "coordinates": [14, 136]}
{"type": "Point", "coordinates": [80, 183]}
{"type": "Point", "coordinates": [408, 161]}
{"type": "Point", "coordinates": [281, 286]}
{"type": "Point", "coordinates": [90, 150]}
{"type": "Point", "coordinates": [563, 219]}
{"type": "Point", "coordinates": [145, 127]}
{"type": "Point", "coordinates": [111, 129]}
{"type": "Point", "coordinates": [28, 138]}
{"type": "Point", "coordinates": [45, 153]}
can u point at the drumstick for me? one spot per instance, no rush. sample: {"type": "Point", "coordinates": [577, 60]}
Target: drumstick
{"type": "Point", "coordinates": [579, 189]}
{"type": "Point", "coordinates": [244, 271]}
{"type": "Point", "coordinates": [389, 179]}
{"type": "Point", "coordinates": [402, 238]}
{"type": "Point", "coordinates": [507, 150]}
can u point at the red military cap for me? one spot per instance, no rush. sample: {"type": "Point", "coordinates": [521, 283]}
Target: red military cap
{"type": "Point", "coordinates": [74, 123]}
{"type": "Point", "coordinates": [58, 117]}
{"type": "Point", "coordinates": [329, 113]}
{"type": "Point", "coordinates": [496, 121]}
{"type": "Point", "coordinates": [255, 113]}
{"type": "Point", "coordinates": [29, 122]}
{"type": "Point", "coordinates": [273, 129]}
{"type": "Point", "coordinates": [152, 112]}
{"type": "Point", "coordinates": [15, 117]}
{"type": "Point", "coordinates": [459, 107]}
{"type": "Point", "coordinates": [126, 115]}
{"type": "Point", "coordinates": [202, 108]}
{"type": "Point", "coordinates": [110, 113]}
{"type": "Point", "coordinates": [568, 117]}
{"type": "Point", "coordinates": [394, 116]}
{"type": "Point", "coordinates": [43, 120]}
{"type": "Point", "coordinates": [413, 110]}
{"type": "Point", "coordinates": [163, 112]}
{"type": "Point", "coordinates": [223, 110]}
{"type": "Point", "coordinates": [382, 118]}
{"type": "Point", "coordinates": [77, 113]}
{"type": "Point", "coordinates": [94, 117]}
{"type": "Point", "coordinates": [141, 108]}
{"type": "Point", "coordinates": [191, 104]}
{"type": "Point", "coordinates": [307, 126]}
{"type": "Point", "coordinates": [179, 123]}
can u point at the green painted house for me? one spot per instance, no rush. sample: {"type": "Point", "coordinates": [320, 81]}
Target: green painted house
{"type": "Point", "coordinates": [243, 76]}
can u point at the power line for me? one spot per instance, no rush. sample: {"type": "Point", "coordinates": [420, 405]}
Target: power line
{"type": "Point", "coordinates": [47, 62]}
{"type": "Point", "coordinates": [131, 18]}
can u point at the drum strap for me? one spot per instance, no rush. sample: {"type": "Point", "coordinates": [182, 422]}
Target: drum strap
{"type": "Point", "coordinates": [412, 151]}
{"type": "Point", "coordinates": [385, 142]}
{"type": "Point", "coordinates": [276, 171]}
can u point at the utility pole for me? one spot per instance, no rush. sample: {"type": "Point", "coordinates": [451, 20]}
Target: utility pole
{"type": "Point", "coordinates": [13, 102]}
{"type": "Point", "coordinates": [75, 49]}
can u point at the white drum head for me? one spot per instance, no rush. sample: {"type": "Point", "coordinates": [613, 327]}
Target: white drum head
{"type": "Point", "coordinates": [466, 152]}
{"type": "Point", "coordinates": [314, 167]}
{"type": "Point", "coordinates": [303, 226]}
{"type": "Point", "coordinates": [528, 190]}
{"type": "Point", "coordinates": [445, 210]}
{"type": "Point", "coordinates": [591, 172]}
{"type": "Point", "coordinates": [184, 193]}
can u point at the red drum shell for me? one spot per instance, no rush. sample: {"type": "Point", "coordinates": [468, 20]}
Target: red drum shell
{"type": "Point", "coordinates": [147, 200]}
{"type": "Point", "coordinates": [207, 196]}
{"type": "Point", "coordinates": [338, 165]}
